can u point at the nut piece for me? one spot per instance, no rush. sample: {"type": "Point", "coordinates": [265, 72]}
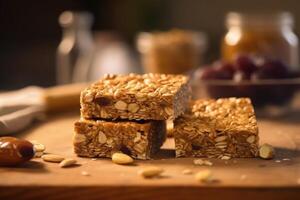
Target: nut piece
{"type": "Point", "coordinates": [39, 147]}
{"type": "Point", "coordinates": [203, 176]}
{"type": "Point", "coordinates": [121, 105]}
{"type": "Point", "coordinates": [221, 138]}
{"type": "Point", "coordinates": [198, 162]}
{"type": "Point", "coordinates": [202, 162]}
{"type": "Point", "coordinates": [121, 159]}
{"type": "Point", "coordinates": [133, 107]}
{"type": "Point", "coordinates": [251, 139]}
{"type": "Point", "coordinates": [187, 171]}
{"type": "Point", "coordinates": [52, 158]}
{"type": "Point", "coordinates": [266, 151]}
{"type": "Point", "coordinates": [14, 151]}
{"type": "Point", "coordinates": [88, 97]}
{"type": "Point", "coordinates": [207, 163]}
{"type": "Point", "coordinates": [150, 172]}
{"type": "Point", "coordinates": [67, 162]}
{"type": "Point", "coordinates": [78, 138]}
{"type": "Point", "coordinates": [38, 154]}
{"type": "Point", "coordinates": [85, 173]}
{"type": "Point", "coordinates": [102, 138]}
{"type": "Point", "coordinates": [225, 158]}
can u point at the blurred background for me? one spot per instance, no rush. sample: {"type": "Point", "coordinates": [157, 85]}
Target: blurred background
{"type": "Point", "coordinates": [30, 32]}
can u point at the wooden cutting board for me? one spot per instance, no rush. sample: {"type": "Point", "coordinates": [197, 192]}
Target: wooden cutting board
{"type": "Point", "coordinates": [237, 178]}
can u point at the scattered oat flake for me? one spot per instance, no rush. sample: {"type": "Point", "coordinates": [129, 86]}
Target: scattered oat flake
{"type": "Point", "coordinates": [278, 161]}
{"type": "Point", "coordinates": [198, 162]}
{"type": "Point", "coordinates": [243, 177]}
{"type": "Point", "coordinates": [204, 176]}
{"type": "Point", "coordinates": [225, 158]}
{"type": "Point", "coordinates": [187, 171]}
{"type": "Point", "coordinates": [208, 163]}
{"type": "Point", "coordinates": [286, 159]}
{"type": "Point", "coordinates": [93, 159]}
{"type": "Point", "coordinates": [203, 162]}
{"type": "Point", "coordinates": [85, 173]}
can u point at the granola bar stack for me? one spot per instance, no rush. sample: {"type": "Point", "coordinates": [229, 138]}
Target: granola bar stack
{"type": "Point", "coordinates": [127, 113]}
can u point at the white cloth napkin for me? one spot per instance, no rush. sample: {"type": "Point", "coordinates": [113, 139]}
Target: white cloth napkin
{"type": "Point", "coordinates": [20, 108]}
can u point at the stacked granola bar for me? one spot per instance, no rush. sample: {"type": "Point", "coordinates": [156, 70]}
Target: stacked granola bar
{"type": "Point", "coordinates": [127, 113]}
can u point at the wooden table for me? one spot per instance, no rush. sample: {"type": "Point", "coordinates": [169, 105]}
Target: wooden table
{"type": "Point", "coordinates": [237, 178]}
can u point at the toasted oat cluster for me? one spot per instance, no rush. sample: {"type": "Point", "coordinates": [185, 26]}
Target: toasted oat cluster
{"type": "Point", "coordinates": [100, 138]}
{"type": "Point", "coordinates": [136, 97]}
{"type": "Point", "coordinates": [222, 128]}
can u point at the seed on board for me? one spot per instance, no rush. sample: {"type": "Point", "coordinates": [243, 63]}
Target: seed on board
{"type": "Point", "coordinates": [85, 173]}
{"type": "Point", "coordinates": [266, 151]}
{"type": "Point", "coordinates": [52, 158]}
{"type": "Point", "coordinates": [38, 154]}
{"type": "Point", "coordinates": [207, 163]}
{"type": "Point", "coordinates": [121, 159]}
{"type": "Point", "coordinates": [187, 171]}
{"type": "Point", "coordinates": [204, 176]}
{"type": "Point", "coordinates": [198, 162]}
{"type": "Point", "coordinates": [38, 147]}
{"type": "Point", "coordinates": [243, 177]}
{"type": "Point", "coordinates": [67, 162]}
{"type": "Point", "coordinates": [225, 158]}
{"type": "Point", "coordinates": [150, 172]}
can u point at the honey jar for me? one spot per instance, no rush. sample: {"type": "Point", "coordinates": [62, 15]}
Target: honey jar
{"type": "Point", "coordinates": [261, 35]}
{"type": "Point", "coordinates": [174, 51]}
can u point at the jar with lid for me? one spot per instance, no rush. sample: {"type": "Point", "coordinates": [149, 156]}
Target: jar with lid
{"type": "Point", "coordinates": [261, 35]}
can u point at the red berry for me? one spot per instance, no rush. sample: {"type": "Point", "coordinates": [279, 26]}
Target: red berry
{"type": "Point", "coordinates": [271, 69]}
{"type": "Point", "coordinates": [245, 64]}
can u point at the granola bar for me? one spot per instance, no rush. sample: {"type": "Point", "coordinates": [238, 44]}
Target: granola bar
{"type": "Point", "coordinates": [138, 97]}
{"type": "Point", "coordinates": [99, 138]}
{"type": "Point", "coordinates": [222, 128]}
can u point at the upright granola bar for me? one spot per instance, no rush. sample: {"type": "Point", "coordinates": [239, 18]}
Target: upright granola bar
{"type": "Point", "coordinates": [99, 138]}
{"type": "Point", "coordinates": [220, 128]}
{"type": "Point", "coordinates": [138, 97]}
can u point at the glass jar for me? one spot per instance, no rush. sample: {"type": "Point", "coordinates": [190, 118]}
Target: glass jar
{"type": "Point", "coordinates": [173, 52]}
{"type": "Point", "coordinates": [261, 35]}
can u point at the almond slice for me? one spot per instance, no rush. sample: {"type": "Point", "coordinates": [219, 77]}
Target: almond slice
{"type": "Point", "coordinates": [121, 159]}
{"type": "Point", "coordinates": [52, 158]}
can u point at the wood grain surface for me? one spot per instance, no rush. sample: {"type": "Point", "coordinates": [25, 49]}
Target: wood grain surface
{"type": "Point", "coordinates": [237, 178]}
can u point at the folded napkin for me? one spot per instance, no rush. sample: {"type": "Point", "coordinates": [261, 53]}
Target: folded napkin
{"type": "Point", "coordinates": [19, 108]}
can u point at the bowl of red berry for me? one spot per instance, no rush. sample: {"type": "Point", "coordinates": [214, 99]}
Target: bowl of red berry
{"type": "Point", "coordinates": [265, 81]}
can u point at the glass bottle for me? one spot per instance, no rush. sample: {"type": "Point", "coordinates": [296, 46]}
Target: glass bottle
{"type": "Point", "coordinates": [261, 35]}
{"type": "Point", "coordinates": [75, 52]}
